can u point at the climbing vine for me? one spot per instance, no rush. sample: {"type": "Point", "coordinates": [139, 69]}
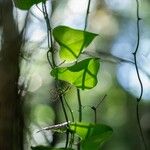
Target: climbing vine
{"type": "Point", "coordinates": [138, 74]}
{"type": "Point", "coordinates": [80, 73]}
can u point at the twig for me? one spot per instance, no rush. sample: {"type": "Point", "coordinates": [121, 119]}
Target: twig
{"type": "Point", "coordinates": [56, 126]}
{"type": "Point", "coordinates": [107, 57]}
{"type": "Point", "coordinates": [95, 108]}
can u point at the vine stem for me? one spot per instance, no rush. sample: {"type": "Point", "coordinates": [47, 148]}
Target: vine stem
{"type": "Point", "coordinates": [87, 13]}
{"type": "Point", "coordinates": [72, 116]}
{"type": "Point", "coordinates": [138, 75]}
{"type": "Point", "coordinates": [95, 108]}
{"type": "Point", "coordinates": [63, 107]}
{"type": "Point", "coordinates": [66, 117]}
{"type": "Point", "coordinates": [78, 91]}
{"type": "Point", "coordinates": [139, 124]}
{"type": "Point", "coordinates": [80, 105]}
{"type": "Point", "coordinates": [52, 61]}
{"type": "Point", "coordinates": [136, 50]}
{"type": "Point", "coordinates": [49, 36]}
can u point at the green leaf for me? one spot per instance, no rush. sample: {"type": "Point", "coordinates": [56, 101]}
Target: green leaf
{"type": "Point", "coordinates": [92, 135]}
{"type": "Point", "coordinates": [26, 4]}
{"type": "Point", "coordinates": [72, 41]}
{"type": "Point", "coordinates": [48, 148]}
{"type": "Point", "coordinates": [82, 75]}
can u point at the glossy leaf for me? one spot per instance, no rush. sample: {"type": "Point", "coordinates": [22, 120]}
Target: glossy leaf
{"type": "Point", "coordinates": [72, 41]}
{"type": "Point", "coordinates": [92, 135]}
{"type": "Point", "coordinates": [48, 148]}
{"type": "Point", "coordinates": [82, 75]}
{"type": "Point", "coordinates": [26, 4]}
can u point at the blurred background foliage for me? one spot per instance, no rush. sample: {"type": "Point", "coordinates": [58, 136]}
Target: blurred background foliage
{"type": "Point", "coordinates": [115, 22]}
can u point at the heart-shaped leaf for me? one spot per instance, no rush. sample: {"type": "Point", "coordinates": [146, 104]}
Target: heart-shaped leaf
{"type": "Point", "coordinates": [72, 41]}
{"type": "Point", "coordinates": [92, 135]}
{"type": "Point", "coordinates": [82, 75]}
{"type": "Point", "coordinates": [26, 4]}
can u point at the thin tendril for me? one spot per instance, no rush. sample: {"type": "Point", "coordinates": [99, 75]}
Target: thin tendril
{"type": "Point", "coordinates": [72, 116]}
{"type": "Point", "coordinates": [140, 128]}
{"type": "Point", "coordinates": [66, 117]}
{"type": "Point", "coordinates": [138, 74]}
{"type": "Point", "coordinates": [136, 50]}
{"type": "Point", "coordinates": [95, 108]}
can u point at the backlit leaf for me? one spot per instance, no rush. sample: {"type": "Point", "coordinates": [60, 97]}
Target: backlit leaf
{"type": "Point", "coordinates": [82, 75]}
{"type": "Point", "coordinates": [72, 41]}
{"type": "Point", "coordinates": [92, 135]}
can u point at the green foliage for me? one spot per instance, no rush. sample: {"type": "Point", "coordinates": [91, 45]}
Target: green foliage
{"type": "Point", "coordinates": [72, 41]}
{"type": "Point", "coordinates": [92, 135]}
{"type": "Point", "coordinates": [48, 148]}
{"type": "Point", "coordinates": [82, 74]}
{"type": "Point", "coordinates": [26, 4]}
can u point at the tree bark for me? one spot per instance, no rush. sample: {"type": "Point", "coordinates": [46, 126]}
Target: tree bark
{"type": "Point", "coordinates": [11, 113]}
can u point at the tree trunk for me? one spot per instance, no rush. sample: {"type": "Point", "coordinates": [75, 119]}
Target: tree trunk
{"type": "Point", "coordinates": [11, 114]}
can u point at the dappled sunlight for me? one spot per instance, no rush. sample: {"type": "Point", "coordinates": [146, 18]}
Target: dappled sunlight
{"type": "Point", "coordinates": [120, 5]}
{"type": "Point", "coordinates": [35, 82]}
{"type": "Point", "coordinates": [123, 47]}
{"type": "Point", "coordinates": [42, 138]}
{"type": "Point", "coordinates": [109, 70]}
{"type": "Point", "coordinates": [128, 79]}
{"type": "Point", "coordinates": [102, 22]}
{"type": "Point", "coordinates": [72, 14]}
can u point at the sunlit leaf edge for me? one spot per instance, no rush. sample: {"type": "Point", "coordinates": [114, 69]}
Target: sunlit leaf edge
{"type": "Point", "coordinates": [58, 33]}
{"type": "Point", "coordinates": [102, 133]}
{"type": "Point", "coordinates": [74, 125]}
{"type": "Point", "coordinates": [78, 68]}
